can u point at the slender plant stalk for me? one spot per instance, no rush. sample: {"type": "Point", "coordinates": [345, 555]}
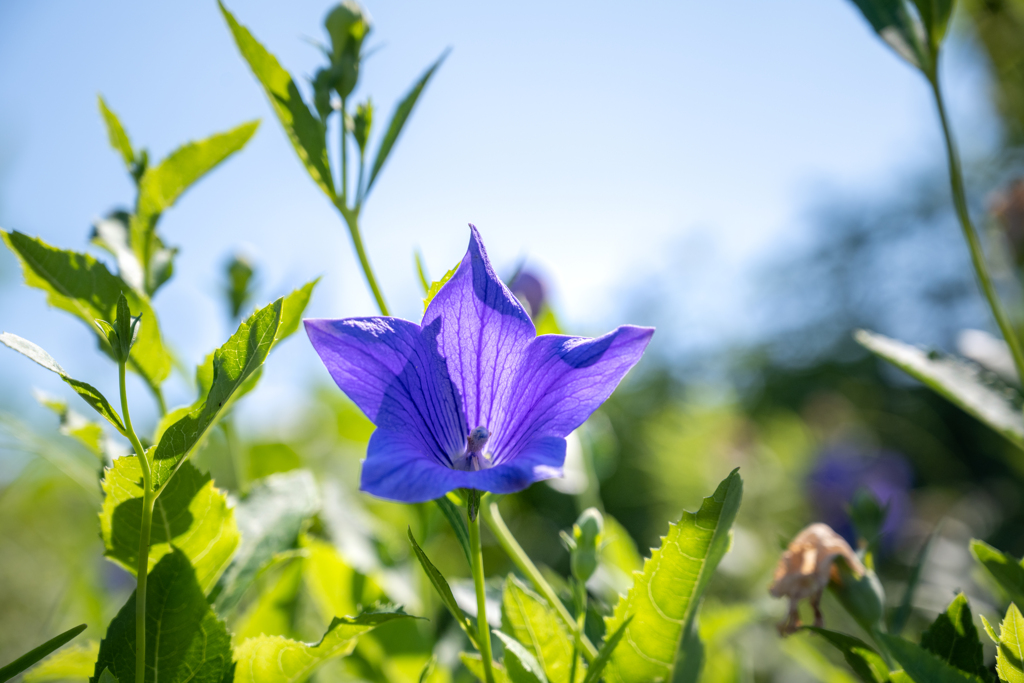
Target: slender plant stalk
{"type": "Point", "coordinates": [490, 513]}
{"type": "Point", "coordinates": [482, 629]}
{"type": "Point", "coordinates": [971, 235]}
{"type": "Point", "coordinates": [148, 499]}
{"type": "Point", "coordinates": [580, 600]}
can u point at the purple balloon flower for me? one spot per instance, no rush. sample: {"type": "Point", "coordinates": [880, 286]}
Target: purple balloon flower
{"type": "Point", "coordinates": [472, 397]}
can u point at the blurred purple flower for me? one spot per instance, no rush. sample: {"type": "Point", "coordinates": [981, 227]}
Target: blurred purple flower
{"type": "Point", "coordinates": [471, 397]}
{"type": "Point", "coordinates": [844, 469]}
{"type": "Point", "coordinates": [531, 289]}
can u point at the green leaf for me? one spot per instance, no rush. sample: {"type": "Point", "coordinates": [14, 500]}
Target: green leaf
{"type": "Point", "coordinates": [922, 666]}
{"type": "Point", "coordinates": [604, 655]}
{"type": "Point", "coordinates": [117, 136]}
{"type": "Point", "coordinates": [275, 659]}
{"type": "Point", "coordinates": [1008, 572]}
{"type": "Point", "coordinates": [690, 656]}
{"type": "Point", "coordinates": [453, 514]}
{"type": "Point", "coordinates": [981, 395]}
{"type": "Point", "coordinates": [306, 133]}
{"type": "Point", "coordinates": [332, 584]}
{"type": "Point", "coordinates": [529, 619]}
{"type": "Point", "coordinates": [185, 641]}
{"type": "Point", "coordinates": [270, 519]}
{"type": "Point", "coordinates": [521, 665]}
{"type": "Point", "coordinates": [81, 285]}
{"type": "Point", "coordinates": [1010, 654]}
{"type": "Point", "coordinates": [72, 663]}
{"type": "Point", "coordinates": [107, 677]}
{"type": "Point", "coordinates": [273, 613]}
{"type": "Point", "coordinates": [233, 363]}
{"type": "Point", "coordinates": [89, 394]}
{"type": "Point", "coordinates": [191, 514]}
{"type": "Point", "coordinates": [37, 654]}
{"type": "Point", "coordinates": [862, 658]}
{"type": "Point", "coordinates": [436, 286]}
{"type": "Point", "coordinates": [894, 23]}
{"type": "Point", "coordinates": [664, 597]}
{"type": "Point", "coordinates": [442, 588]}
{"type": "Point", "coordinates": [953, 638]}
{"type": "Point", "coordinates": [935, 17]}
{"type": "Point", "coordinates": [398, 121]}
{"type": "Point", "coordinates": [114, 235]}
{"type": "Point", "coordinates": [475, 664]}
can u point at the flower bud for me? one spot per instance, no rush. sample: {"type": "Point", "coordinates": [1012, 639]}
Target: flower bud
{"type": "Point", "coordinates": [347, 25]}
{"type": "Point", "coordinates": [586, 534]}
{"type": "Point", "coordinates": [361, 123]}
{"type": "Point", "coordinates": [122, 333]}
{"type": "Point", "coordinates": [239, 283]}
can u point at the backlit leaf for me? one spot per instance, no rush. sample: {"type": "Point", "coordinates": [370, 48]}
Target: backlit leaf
{"type": "Point", "coordinates": [983, 396]}
{"type": "Point", "coordinates": [37, 654]}
{"type": "Point", "coordinates": [275, 659]}
{"type": "Point", "coordinates": [1010, 653]}
{"type": "Point", "coordinates": [398, 121]}
{"type": "Point", "coordinates": [117, 136]}
{"type": "Point", "coordinates": [528, 618]}
{"type": "Point", "coordinates": [269, 519]}
{"type": "Point", "coordinates": [521, 665]}
{"type": "Point", "coordinates": [922, 666]}
{"type": "Point", "coordinates": [191, 514]}
{"type": "Point", "coordinates": [89, 394]}
{"type": "Point", "coordinates": [304, 130]}
{"type": "Point", "coordinates": [442, 588]}
{"type": "Point", "coordinates": [73, 663]}
{"type": "Point", "coordinates": [665, 596]}
{"type": "Point", "coordinates": [604, 655]}
{"type": "Point", "coordinates": [862, 658]}
{"type": "Point", "coordinates": [1007, 571]}
{"type": "Point", "coordinates": [233, 363]}
{"type": "Point", "coordinates": [81, 285]}
{"type": "Point", "coordinates": [436, 286]}
{"type": "Point", "coordinates": [475, 664]}
{"type": "Point", "coordinates": [953, 638]}
{"type": "Point", "coordinates": [185, 641]}
{"type": "Point", "coordinates": [273, 612]}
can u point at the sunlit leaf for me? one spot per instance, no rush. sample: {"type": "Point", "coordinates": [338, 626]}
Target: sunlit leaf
{"type": "Point", "coordinates": [306, 133]}
{"type": "Point", "coordinates": [922, 666]}
{"type": "Point", "coordinates": [521, 665]}
{"type": "Point", "coordinates": [334, 587]}
{"type": "Point", "coordinates": [893, 21]}
{"type": "Point", "coordinates": [664, 597]}
{"type": "Point", "coordinates": [191, 514]}
{"type": "Point", "coordinates": [454, 516]}
{"type": "Point", "coordinates": [982, 395]}
{"type": "Point", "coordinates": [269, 519]}
{"type": "Point", "coordinates": [117, 136]}
{"type": "Point", "coordinates": [37, 654]}
{"type": "Point", "coordinates": [274, 611]}
{"type": "Point", "coordinates": [475, 664]}
{"type": "Point", "coordinates": [436, 286]}
{"type": "Point", "coordinates": [1010, 646]}
{"type": "Point", "coordinates": [89, 394]}
{"type": "Point", "coordinates": [604, 655]}
{"type": "Point", "coordinates": [233, 364]}
{"type": "Point", "coordinates": [1007, 571]}
{"type": "Point", "coordinates": [81, 285]}
{"type": "Point", "coordinates": [275, 659]}
{"type": "Point", "coordinates": [953, 638]}
{"type": "Point", "coordinates": [185, 641]}
{"type": "Point", "coordinates": [862, 658]}
{"type": "Point", "coordinates": [73, 663]}
{"type": "Point", "coordinates": [442, 588]}
{"type": "Point", "coordinates": [114, 234]}
{"type": "Point", "coordinates": [398, 121]}
{"type": "Point", "coordinates": [529, 619]}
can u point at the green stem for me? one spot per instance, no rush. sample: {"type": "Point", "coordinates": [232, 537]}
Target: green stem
{"type": "Point", "coordinates": [970, 234]}
{"type": "Point", "coordinates": [521, 560]}
{"type": "Point", "coordinates": [580, 602]}
{"type": "Point", "coordinates": [482, 629]}
{"type": "Point", "coordinates": [352, 220]}
{"type": "Point", "coordinates": [148, 499]}
{"type": "Point", "coordinates": [344, 153]}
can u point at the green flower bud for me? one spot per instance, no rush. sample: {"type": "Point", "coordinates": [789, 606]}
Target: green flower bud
{"type": "Point", "coordinates": [586, 536]}
{"type": "Point", "coordinates": [239, 283]}
{"type": "Point", "coordinates": [361, 123]}
{"type": "Point", "coordinates": [122, 333]}
{"type": "Point", "coordinates": [347, 25]}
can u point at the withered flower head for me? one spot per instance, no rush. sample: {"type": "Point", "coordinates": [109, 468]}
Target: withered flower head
{"type": "Point", "coordinates": [805, 569]}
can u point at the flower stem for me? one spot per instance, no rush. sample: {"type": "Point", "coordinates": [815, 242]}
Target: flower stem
{"type": "Point", "coordinates": [580, 603]}
{"type": "Point", "coordinates": [352, 220]}
{"type": "Point", "coordinates": [970, 234]}
{"type": "Point", "coordinates": [148, 499]}
{"type": "Point", "coordinates": [527, 567]}
{"type": "Point", "coordinates": [482, 629]}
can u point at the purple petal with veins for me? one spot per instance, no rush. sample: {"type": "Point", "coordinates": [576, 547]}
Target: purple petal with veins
{"type": "Point", "coordinates": [471, 397]}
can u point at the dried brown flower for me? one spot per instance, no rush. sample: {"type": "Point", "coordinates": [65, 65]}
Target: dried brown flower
{"type": "Point", "coordinates": [805, 569]}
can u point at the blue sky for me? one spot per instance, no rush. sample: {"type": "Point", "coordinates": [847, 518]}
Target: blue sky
{"type": "Point", "coordinates": [593, 138]}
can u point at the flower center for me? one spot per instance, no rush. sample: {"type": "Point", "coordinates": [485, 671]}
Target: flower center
{"type": "Point", "coordinates": [475, 459]}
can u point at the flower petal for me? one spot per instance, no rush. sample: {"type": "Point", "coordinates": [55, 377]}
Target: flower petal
{"type": "Point", "coordinates": [561, 381]}
{"type": "Point", "coordinates": [396, 468]}
{"type": "Point", "coordinates": [391, 369]}
{"type": "Point", "coordinates": [484, 330]}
